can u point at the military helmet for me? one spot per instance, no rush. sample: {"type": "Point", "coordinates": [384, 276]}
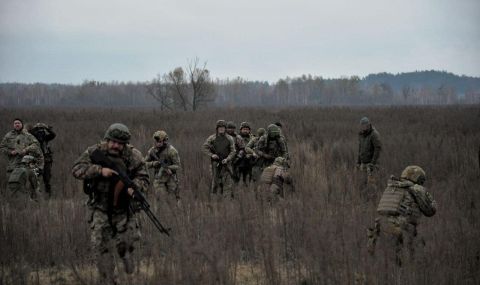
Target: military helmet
{"type": "Point", "coordinates": [118, 132]}
{"type": "Point", "coordinates": [41, 126]}
{"type": "Point", "coordinates": [260, 132]}
{"type": "Point", "coordinates": [415, 174]}
{"type": "Point", "coordinates": [273, 130]}
{"type": "Point", "coordinates": [231, 125]}
{"type": "Point", "coordinates": [28, 159]}
{"type": "Point", "coordinates": [245, 125]}
{"type": "Point", "coordinates": [280, 161]}
{"type": "Point", "coordinates": [221, 123]}
{"type": "Point", "coordinates": [160, 136]}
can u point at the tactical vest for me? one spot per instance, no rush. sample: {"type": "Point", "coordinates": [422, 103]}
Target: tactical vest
{"type": "Point", "coordinates": [267, 175]}
{"type": "Point", "coordinates": [221, 146]}
{"type": "Point", "coordinates": [391, 201]}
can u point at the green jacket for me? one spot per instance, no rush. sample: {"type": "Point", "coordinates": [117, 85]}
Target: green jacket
{"type": "Point", "coordinates": [168, 156]}
{"type": "Point", "coordinates": [21, 142]}
{"type": "Point", "coordinates": [369, 146]}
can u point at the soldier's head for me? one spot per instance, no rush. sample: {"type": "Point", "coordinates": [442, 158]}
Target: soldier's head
{"type": "Point", "coordinates": [245, 129]}
{"type": "Point", "coordinates": [415, 174]}
{"type": "Point", "coordinates": [160, 138]}
{"type": "Point", "coordinates": [280, 161]}
{"type": "Point", "coordinates": [17, 124]}
{"type": "Point", "coordinates": [365, 124]}
{"type": "Point", "coordinates": [231, 127]}
{"type": "Point", "coordinates": [260, 132]}
{"type": "Point", "coordinates": [117, 136]}
{"type": "Point", "coordinates": [39, 130]}
{"type": "Point", "coordinates": [221, 126]}
{"type": "Point", "coordinates": [273, 131]}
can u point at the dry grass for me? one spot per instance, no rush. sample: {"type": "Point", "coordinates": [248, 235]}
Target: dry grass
{"type": "Point", "coordinates": [316, 236]}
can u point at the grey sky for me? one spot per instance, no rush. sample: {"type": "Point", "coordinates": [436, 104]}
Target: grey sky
{"type": "Point", "coordinates": [69, 41]}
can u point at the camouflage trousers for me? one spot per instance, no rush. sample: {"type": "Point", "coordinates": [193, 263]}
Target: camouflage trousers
{"type": "Point", "coordinates": [395, 236]}
{"type": "Point", "coordinates": [222, 182]}
{"type": "Point", "coordinates": [108, 238]}
{"type": "Point", "coordinates": [167, 186]}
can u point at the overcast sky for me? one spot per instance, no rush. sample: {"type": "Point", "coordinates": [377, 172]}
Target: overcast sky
{"type": "Point", "coordinates": [68, 41]}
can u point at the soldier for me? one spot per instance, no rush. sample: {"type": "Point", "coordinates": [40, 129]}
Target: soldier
{"type": "Point", "coordinates": [279, 125]}
{"type": "Point", "coordinates": [220, 148]}
{"type": "Point", "coordinates": [246, 161]}
{"type": "Point", "coordinates": [112, 220]}
{"type": "Point", "coordinates": [18, 143]}
{"type": "Point", "coordinates": [275, 177]}
{"type": "Point", "coordinates": [402, 204]}
{"type": "Point", "coordinates": [270, 146]}
{"type": "Point", "coordinates": [165, 161]}
{"type": "Point", "coordinates": [44, 134]}
{"type": "Point", "coordinates": [369, 147]}
{"type": "Point", "coordinates": [24, 178]}
{"type": "Point", "coordinates": [256, 167]}
{"type": "Point", "coordinates": [239, 149]}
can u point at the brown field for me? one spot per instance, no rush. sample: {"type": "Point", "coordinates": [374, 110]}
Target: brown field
{"type": "Point", "coordinates": [316, 236]}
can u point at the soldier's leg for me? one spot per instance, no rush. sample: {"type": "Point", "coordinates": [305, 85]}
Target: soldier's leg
{"type": "Point", "coordinates": [172, 188]}
{"type": "Point", "coordinates": [47, 175]}
{"type": "Point", "coordinates": [227, 183]}
{"type": "Point", "coordinates": [126, 238]}
{"type": "Point", "coordinates": [101, 236]}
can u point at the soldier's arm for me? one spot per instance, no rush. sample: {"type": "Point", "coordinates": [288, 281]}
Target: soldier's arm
{"type": "Point", "coordinates": [139, 171]}
{"type": "Point", "coordinates": [377, 147]}
{"type": "Point", "coordinates": [83, 168]}
{"type": "Point", "coordinates": [175, 158]}
{"type": "Point", "coordinates": [32, 179]}
{"type": "Point", "coordinates": [425, 201]}
{"type": "Point", "coordinates": [149, 160]}
{"type": "Point", "coordinates": [232, 153]}
{"type": "Point", "coordinates": [283, 148]}
{"type": "Point", "coordinates": [50, 134]}
{"type": "Point", "coordinates": [250, 146]}
{"type": "Point", "coordinates": [4, 148]}
{"type": "Point", "coordinates": [207, 146]}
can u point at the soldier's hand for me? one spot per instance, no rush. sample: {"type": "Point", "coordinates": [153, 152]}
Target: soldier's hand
{"type": "Point", "coordinates": [225, 161]}
{"type": "Point", "coordinates": [168, 171]}
{"type": "Point", "coordinates": [107, 172]}
{"type": "Point", "coordinates": [130, 191]}
{"type": "Point", "coordinates": [215, 157]}
{"type": "Point", "coordinates": [13, 152]}
{"type": "Point", "coordinates": [156, 164]}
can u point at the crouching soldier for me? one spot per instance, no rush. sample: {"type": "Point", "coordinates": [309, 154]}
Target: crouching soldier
{"type": "Point", "coordinates": [165, 161]}
{"type": "Point", "coordinates": [276, 179]}
{"type": "Point", "coordinates": [403, 203]}
{"type": "Point", "coordinates": [24, 179]}
{"type": "Point", "coordinates": [113, 224]}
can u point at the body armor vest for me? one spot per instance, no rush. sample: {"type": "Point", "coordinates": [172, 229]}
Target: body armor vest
{"type": "Point", "coordinates": [221, 146]}
{"type": "Point", "coordinates": [390, 202]}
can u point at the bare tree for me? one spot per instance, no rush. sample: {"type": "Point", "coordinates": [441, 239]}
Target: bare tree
{"type": "Point", "coordinates": [203, 89]}
{"type": "Point", "coordinates": [158, 90]}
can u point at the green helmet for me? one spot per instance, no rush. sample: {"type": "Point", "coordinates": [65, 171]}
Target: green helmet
{"type": "Point", "coordinates": [260, 132]}
{"type": "Point", "coordinates": [280, 161]}
{"type": "Point", "coordinates": [415, 174]}
{"type": "Point", "coordinates": [221, 123]}
{"type": "Point", "coordinates": [273, 131]}
{"type": "Point", "coordinates": [28, 159]}
{"type": "Point", "coordinates": [118, 132]}
{"type": "Point", "coordinates": [245, 125]}
{"type": "Point", "coordinates": [231, 125]}
{"type": "Point", "coordinates": [160, 136]}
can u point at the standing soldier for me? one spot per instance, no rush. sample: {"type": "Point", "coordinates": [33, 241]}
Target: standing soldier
{"type": "Point", "coordinates": [245, 163]}
{"type": "Point", "coordinates": [220, 148]}
{"type": "Point", "coordinates": [18, 143]}
{"type": "Point", "coordinates": [275, 177]}
{"type": "Point", "coordinates": [112, 221]}
{"type": "Point", "coordinates": [256, 167]}
{"type": "Point", "coordinates": [402, 204]}
{"type": "Point", "coordinates": [270, 146]}
{"type": "Point", "coordinates": [165, 161]}
{"type": "Point", "coordinates": [24, 179]}
{"type": "Point", "coordinates": [44, 134]}
{"type": "Point", "coordinates": [239, 148]}
{"type": "Point", "coordinates": [280, 126]}
{"type": "Point", "coordinates": [369, 148]}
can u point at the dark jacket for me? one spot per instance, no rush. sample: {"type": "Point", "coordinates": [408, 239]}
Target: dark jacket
{"type": "Point", "coordinates": [369, 146]}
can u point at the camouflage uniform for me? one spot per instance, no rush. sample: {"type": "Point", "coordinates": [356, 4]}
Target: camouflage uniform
{"type": "Point", "coordinates": [270, 146]}
{"type": "Point", "coordinates": [161, 159]}
{"type": "Point", "coordinates": [21, 141]}
{"type": "Point", "coordinates": [403, 203]}
{"type": "Point", "coordinates": [24, 179]}
{"type": "Point", "coordinates": [44, 134]}
{"type": "Point", "coordinates": [110, 225]}
{"type": "Point", "coordinates": [275, 178]}
{"type": "Point", "coordinates": [256, 163]}
{"type": "Point", "coordinates": [223, 146]}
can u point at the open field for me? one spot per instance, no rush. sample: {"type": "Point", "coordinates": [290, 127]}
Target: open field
{"type": "Point", "coordinates": [316, 236]}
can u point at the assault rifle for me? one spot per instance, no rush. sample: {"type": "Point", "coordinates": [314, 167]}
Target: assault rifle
{"type": "Point", "coordinates": [98, 157]}
{"type": "Point", "coordinates": [163, 165]}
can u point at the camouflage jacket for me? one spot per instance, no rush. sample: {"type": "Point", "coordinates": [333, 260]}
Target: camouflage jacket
{"type": "Point", "coordinates": [23, 179]}
{"type": "Point", "coordinates": [221, 145]}
{"type": "Point", "coordinates": [413, 201]}
{"type": "Point", "coordinates": [270, 149]}
{"type": "Point", "coordinates": [131, 160]}
{"type": "Point", "coordinates": [369, 146]}
{"type": "Point", "coordinates": [21, 142]}
{"type": "Point", "coordinates": [246, 142]}
{"type": "Point", "coordinates": [167, 157]}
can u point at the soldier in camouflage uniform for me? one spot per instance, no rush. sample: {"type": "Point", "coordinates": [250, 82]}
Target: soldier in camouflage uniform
{"type": "Point", "coordinates": [245, 162]}
{"type": "Point", "coordinates": [239, 149]}
{"type": "Point", "coordinates": [220, 148]}
{"type": "Point", "coordinates": [275, 178]}
{"type": "Point", "coordinates": [256, 163]}
{"type": "Point", "coordinates": [280, 126]}
{"type": "Point", "coordinates": [403, 203]}
{"type": "Point", "coordinates": [165, 161]}
{"type": "Point", "coordinates": [270, 146]}
{"type": "Point", "coordinates": [18, 143]}
{"type": "Point", "coordinates": [44, 134]}
{"type": "Point", "coordinates": [369, 148]}
{"type": "Point", "coordinates": [112, 225]}
{"type": "Point", "coordinates": [24, 179]}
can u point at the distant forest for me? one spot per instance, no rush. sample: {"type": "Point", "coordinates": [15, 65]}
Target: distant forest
{"type": "Point", "coordinates": [412, 88]}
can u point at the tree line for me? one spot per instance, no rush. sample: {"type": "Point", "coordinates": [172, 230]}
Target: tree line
{"type": "Point", "coordinates": [191, 88]}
